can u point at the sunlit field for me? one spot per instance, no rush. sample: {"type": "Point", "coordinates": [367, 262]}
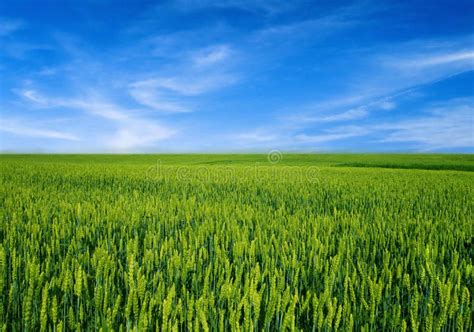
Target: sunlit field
{"type": "Point", "coordinates": [237, 242]}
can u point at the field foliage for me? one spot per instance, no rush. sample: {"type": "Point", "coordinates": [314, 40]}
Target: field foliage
{"type": "Point", "coordinates": [234, 242]}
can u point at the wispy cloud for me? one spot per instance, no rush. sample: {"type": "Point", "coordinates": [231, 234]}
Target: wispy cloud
{"type": "Point", "coordinates": [138, 133]}
{"type": "Point", "coordinates": [321, 25]}
{"type": "Point", "coordinates": [352, 114]}
{"type": "Point", "coordinates": [191, 71]}
{"type": "Point", "coordinates": [445, 126]}
{"type": "Point", "coordinates": [315, 28]}
{"type": "Point", "coordinates": [33, 96]}
{"type": "Point", "coordinates": [448, 126]}
{"type": "Point", "coordinates": [21, 128]}
{"type": "Point", "coordinates": [429, 60]}
{"type": "Point", "coordinates": [266, 74]}
{"type": "Point", "coordinates": [148, 93]}
{"type": "Point", "coordinates": [393, 77]}
{"type": "Point", "coordinates": [9, 26]}
{"type": "Point", "coordinates": [187, 86]}
{"type": "Point", "coordinates": [131, 130]}
{"type": "Point", "coordinates": [331, 111]}
{"type": "Point", "coordinates": [256, 136]}
{"type": "Point", "coordinates": [93, 106]}
{"type": "Point", "coordinates": [332, 135]}
{"type": "Point", "coordinates": [169, 94]}
{"type": "Point", "coordinates": [211, 55]}
{"type": "Point", "coordinates": [173, 89]}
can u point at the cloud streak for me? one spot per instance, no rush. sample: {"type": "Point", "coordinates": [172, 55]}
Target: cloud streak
{"type": "Point", "coordinates": [131, 130]}
{"type": "Point", "coordinates": [446, 126]}
{"type": "Point", "coordinates": [443, 127]}
{"type": "Point", "coordinates": [430, 60]}
{"type": "Point", "coordinates": [211, 56]}
{"type": "Point", "coordinates": [449, 126]}
{"type": "Point", "coordinates": [148, 94]}
{"type": "Point", "coordinates": [395, 79]}
{"type": "Point", "coordinates": [20, 128]}
{"type": "Point", "coordinates": [10, 26]}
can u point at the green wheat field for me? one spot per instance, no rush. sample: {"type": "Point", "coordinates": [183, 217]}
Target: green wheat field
{"type": "Point", "coordinates": [313, 242]}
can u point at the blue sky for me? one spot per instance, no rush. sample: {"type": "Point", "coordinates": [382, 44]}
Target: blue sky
{"type": "Point", "coordinates": [215, 76]}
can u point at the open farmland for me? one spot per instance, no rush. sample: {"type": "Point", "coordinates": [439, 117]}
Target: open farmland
{"type": "Point", "coordinates": [237, 242]}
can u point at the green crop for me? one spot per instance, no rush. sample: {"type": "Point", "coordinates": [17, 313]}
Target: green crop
{"type": "Point", "coordinates": [232, 242]}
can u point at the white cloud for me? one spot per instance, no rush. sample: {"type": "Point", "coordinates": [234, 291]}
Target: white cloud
{"type": "Point", "coordinates": [450, 126]}
{"type": "Point", "coordinates": [33, 96]}
{"type": "Point", "coordinates": [332, 135]}
{"type": "Point", "coordinates": [324, 26]}
{"type": "Point", "coordinates": [150, 94]}
{"type": "Point", "coordinates": [97, 107]}
{"type": "Point", "coordinates": [211, 56]}
{"type": "Point", "coordinates": [329, 111]}
{"type": "Point", "coordinates": [92, 106]}
{"type": "Point", "coordinates": [150, 97]}
{"type": "Point", "coordinates": [131, 130]}
{"type": "Point", "coordinates": [320, 27]}
{"type": "Point", "coordinates": [256, 136]}
{"type": "Point", "coordinates": [165, 94]}
{"type": "Point", "coordinates": [443, 127]}
{"type": "Point", "coordinates": [416, 65]}
{"type": "Point", "coordinates": [187, 85]}
{"type": "Point", "coordinates": [352, 114]}
{"type": "Point", "coordinates": [386, 105]}
{"type": "Point", "coordinates": [21, 129]}
{"type": "Point", "coordinates": [429, 60]}
{"type": "Point", "coordinates": [138, 133]}
{"type": "Point", "coordinates": [389, 75]}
